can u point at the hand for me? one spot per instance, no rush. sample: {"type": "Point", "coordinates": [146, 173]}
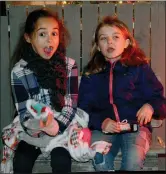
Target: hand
{"type": "Point", "coordinates": [110, 126]}
{"type": "Point", "coordinates": [102, 147]}
{"type": "Point", "coordinates": [81, 152]}
{"type": "Point", "coordinates": [144, 114]}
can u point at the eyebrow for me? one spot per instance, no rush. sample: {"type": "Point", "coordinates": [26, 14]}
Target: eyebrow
{"type": "Point", "coordinates": [101, 35]}
{"type": "Point", "coordinates": [45, 29]}
{"type": "Point", "coordinates": [116, 33]}
{"type": "Point", "coordinates": [106, 34]}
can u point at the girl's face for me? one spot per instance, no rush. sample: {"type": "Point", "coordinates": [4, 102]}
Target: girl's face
{"type": "Point", "coordinates": [111, 42]}
{"type": "Point", "coordinates": [45, 38]}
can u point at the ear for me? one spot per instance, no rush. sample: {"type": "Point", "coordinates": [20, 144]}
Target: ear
{"type": "Point", "coordinates": [127, 43]}
{"type": "Point", "coordinates": [27, 38]}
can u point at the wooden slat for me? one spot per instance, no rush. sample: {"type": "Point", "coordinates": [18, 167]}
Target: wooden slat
{"type": "Point", "coordinates": [17, 17]}
{"type": "Point", "coordinates": [158, 60]}
{"type": "Point", "coordinates": [5, 93]}
{"type": "Point", "coordinates": [106, 9]}
{"type": "Point", "coordinates": [72, 22]}
{"type": "Point", "coordinates": [34, 7]}
{"type": "Point", "coordinates": [142, 26]}
{"type": "Point", "coordinates": [56, 8]}
{"type": "Point", "coordinates": [89, 23]}
{"type": "Point", "coordinates": [125, 13]}
{"type": "Point", "coordinates": [158, 56]}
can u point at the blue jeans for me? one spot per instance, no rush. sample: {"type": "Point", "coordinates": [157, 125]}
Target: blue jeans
{"type": "Point", "coordinates": [134, 147]}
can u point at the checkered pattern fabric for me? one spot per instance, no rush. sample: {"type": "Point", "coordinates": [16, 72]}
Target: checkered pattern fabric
{"type": "Point", "coordinates": [74, 138]}
{"type": "Point", "coordinates": [25, 86]}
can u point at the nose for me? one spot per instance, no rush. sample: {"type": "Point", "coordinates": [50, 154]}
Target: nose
{"type": "Point", "coordinates": [109, 40]}
{"type": "Point", "coordinates": [49, 38]}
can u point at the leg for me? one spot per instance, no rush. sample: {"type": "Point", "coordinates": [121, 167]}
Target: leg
{"type": "Point", "coordinates": [105, 162]}
{"type": "Point", "coordinates": [60, 160]}
{"type": "Point", "coordinates": [25, 157]}
{"type": "Point", "coordinates": [134, 149]}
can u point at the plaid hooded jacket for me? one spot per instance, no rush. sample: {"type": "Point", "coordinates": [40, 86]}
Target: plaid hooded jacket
{"type": "Point", "coordinates": [25, 86]}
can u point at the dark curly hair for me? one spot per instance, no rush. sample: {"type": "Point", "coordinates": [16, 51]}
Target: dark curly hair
{"type": "Point", "coordinates": [29, 27]}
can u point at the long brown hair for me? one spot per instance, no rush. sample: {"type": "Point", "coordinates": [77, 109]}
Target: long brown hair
{"type": "Point", "coordinates": [132, 55]}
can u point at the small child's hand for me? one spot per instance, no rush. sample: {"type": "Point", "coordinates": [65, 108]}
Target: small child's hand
{"type": "Point", "coordinates": [110, 126]}
{"type": "Point", "coordinates": [144, 114]}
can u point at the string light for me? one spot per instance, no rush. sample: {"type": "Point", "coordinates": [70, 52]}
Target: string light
{"type": "Point", "coordinates": [57, 2]}
{"type": "Point", "coordinates": [64, 2]}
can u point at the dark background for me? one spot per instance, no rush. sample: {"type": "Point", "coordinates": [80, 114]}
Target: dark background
{"type": "Point", "coordinates": [3, 8]}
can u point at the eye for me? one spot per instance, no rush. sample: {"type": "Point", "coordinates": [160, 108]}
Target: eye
{"type": "Point", "coordinates": [55, 34]}
{"type": "Point", "coordinates": [115, 37]}
{"type": "Point", "coordinates": [103, 38]}
{"type": "Point", "coordinates": [42, 34]}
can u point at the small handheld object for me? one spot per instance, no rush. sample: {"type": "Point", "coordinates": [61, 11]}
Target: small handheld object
{"type": "Point", "coordinates": [128, 127]}
{"type": "Point", "coordinates": [43, 118]}
{"type": "Point", "coordinates": [38, 110]}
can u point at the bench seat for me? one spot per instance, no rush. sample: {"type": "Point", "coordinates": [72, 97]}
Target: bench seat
{"type": "Point", "coordinates": [42, 165]}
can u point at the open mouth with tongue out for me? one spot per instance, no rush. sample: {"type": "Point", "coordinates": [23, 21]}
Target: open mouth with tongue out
{"type": "Point", "coordinates": [48, 50]}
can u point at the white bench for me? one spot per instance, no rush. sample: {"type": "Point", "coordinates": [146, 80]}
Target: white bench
{"type": "Point", "coordinates": [152, 162]}
{"type": "Point", "coordinates": [42, 165]}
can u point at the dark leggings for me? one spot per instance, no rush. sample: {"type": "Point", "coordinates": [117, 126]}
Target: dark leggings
{"type": "Point", "coordinates": [26, 155]}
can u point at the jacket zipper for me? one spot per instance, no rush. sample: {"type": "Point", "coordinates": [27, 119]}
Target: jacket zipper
{"type": "Point", "coordinates": [111, 92]}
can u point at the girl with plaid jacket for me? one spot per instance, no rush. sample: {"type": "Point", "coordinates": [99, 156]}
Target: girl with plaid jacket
{"type": "Point", "coordinates": [42, 72]}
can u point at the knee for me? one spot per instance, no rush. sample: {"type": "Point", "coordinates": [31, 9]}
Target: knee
{"type": "Point", "coordinates": [60, 157]}
{"type": "Point", "coordinates": [133, 160]}
{"type": "Point", "coordinates": [21, 164]}
{"type": "Point", "coordinates": [101, 163]}
{"type": "Point", "coordinates": [98, 159]}
{"type": "Point", "coordinates": [24, 158]}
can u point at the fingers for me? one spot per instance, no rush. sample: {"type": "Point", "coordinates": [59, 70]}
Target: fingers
{"type": "Point", "coordinates": [144, 115]}
{"type": "Point", "coordinates": [112, 127]}
{"type": "Point", "coordinates": [138, 112]}
{"type": "Point", "coordinates": [144, 119]}
{"type": "Point", "coordinates": [115, 128]}
{"type": "Point", "coordinates": [105, 123]}
{"type": "Point", "coordinates": [141, 120]}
